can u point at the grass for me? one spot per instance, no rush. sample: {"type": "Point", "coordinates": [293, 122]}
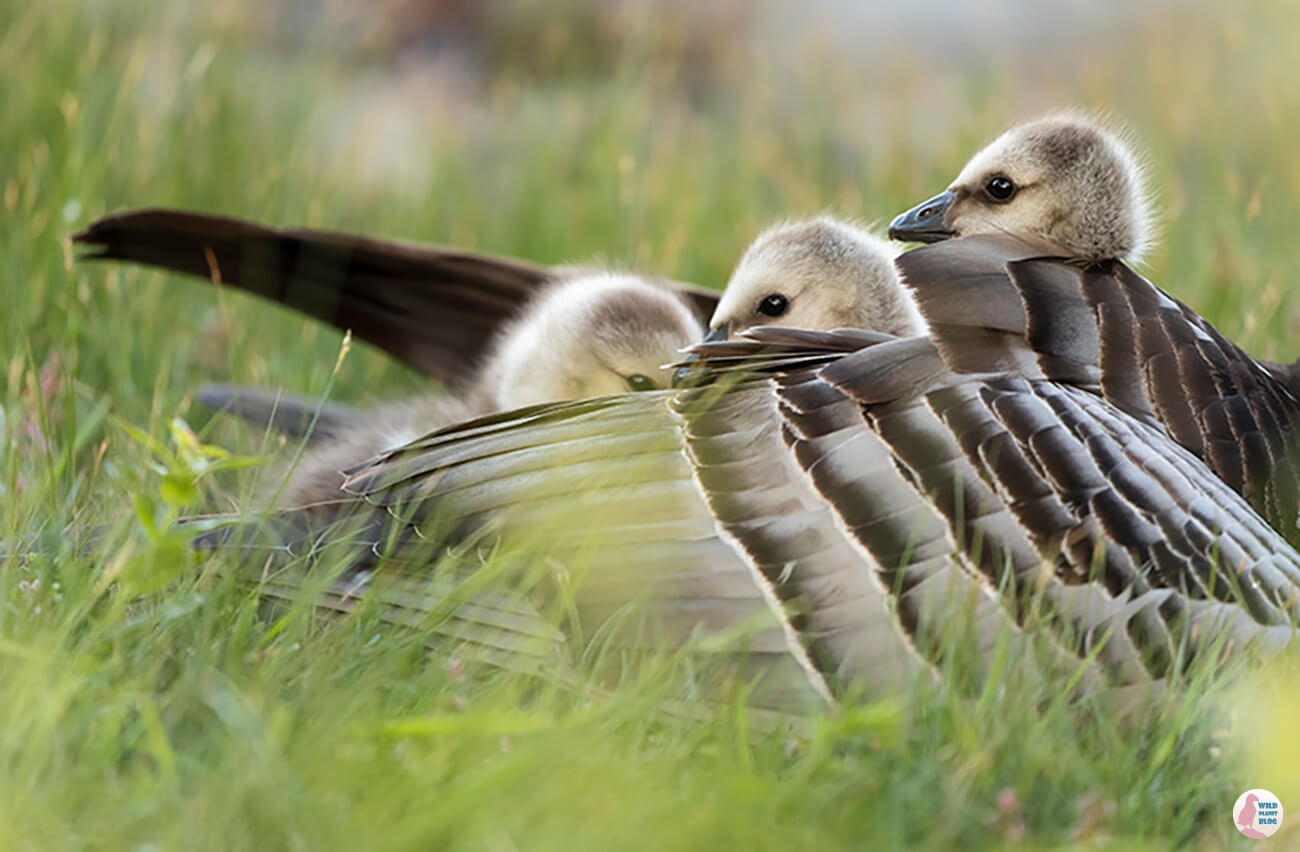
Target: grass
{"type": "Point", "coordinates": [152, 702]}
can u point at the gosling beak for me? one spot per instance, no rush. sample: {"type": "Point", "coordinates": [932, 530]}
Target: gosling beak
{"type": "Point", "coordinates": [924, 222]}
{"type": "Point", "coordinates": [718, 334]}
{"type": "Point", "coordinates": [683, 373]}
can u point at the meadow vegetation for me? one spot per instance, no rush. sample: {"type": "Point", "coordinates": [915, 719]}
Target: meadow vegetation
{"type": "Point", "coordinates": [151, 702]}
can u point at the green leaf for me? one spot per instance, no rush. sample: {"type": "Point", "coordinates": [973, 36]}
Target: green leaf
{"type": "Point", "coordinates": [179, 489]}
{"type": "Point", "coordinates": [496, 724]}
{"type": "Point", "coordinates": [141, 437]}
{"type": "Point", "coordinates": [151, 569]}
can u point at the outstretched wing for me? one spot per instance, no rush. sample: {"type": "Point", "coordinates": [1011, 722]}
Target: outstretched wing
{"type": "Point", "coordinates": [988, 457]}
{"type": "Point", "coordinates": [842, 510]}
{"type": "Point", "coordinates": [434, 310]}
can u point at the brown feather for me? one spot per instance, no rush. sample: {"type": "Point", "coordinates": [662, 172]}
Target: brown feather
{"type": "Point", "coordinates": [840, 515]}
{"type": "Point", "coordinates": [433, 309]}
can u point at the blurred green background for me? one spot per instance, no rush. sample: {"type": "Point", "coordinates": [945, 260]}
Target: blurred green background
{"type": "Point", "coordinates": [662, 136]}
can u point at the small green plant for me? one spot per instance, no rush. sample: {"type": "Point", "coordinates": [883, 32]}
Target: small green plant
{"type": "Point", "coordinates": [153, 700]}
{"type": "Point", "coordinates": [182, 468]}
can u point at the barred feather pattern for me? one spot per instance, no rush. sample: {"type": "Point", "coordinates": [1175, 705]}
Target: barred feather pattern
{"type": "Point", "coordinates": [1107, 329]}
{"type": "Point", "coordinates": [826, 509]}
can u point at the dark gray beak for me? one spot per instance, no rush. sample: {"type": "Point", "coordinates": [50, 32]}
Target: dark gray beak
{"type": "Point", "coordinates": [719, 334]}
{"type": "Point", "coordinates": [924, 222]}
{"type": "Point", "coordinates": [682, 375]}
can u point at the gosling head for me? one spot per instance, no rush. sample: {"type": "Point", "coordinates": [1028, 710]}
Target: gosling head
{"type": "Point", "coordinates": [1062, 178]}
{"type": "Point", "coordinates": [819, 274]}
{"type": "Point", "coordinates": [596, 334]}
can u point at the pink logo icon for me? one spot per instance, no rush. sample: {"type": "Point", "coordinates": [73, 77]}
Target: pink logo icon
{"type": "Point", "coordinates": [1257, 814]}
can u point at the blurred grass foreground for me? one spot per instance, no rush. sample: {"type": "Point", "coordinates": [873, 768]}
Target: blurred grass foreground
{"type": "Point", "coordinates": [151, 703]}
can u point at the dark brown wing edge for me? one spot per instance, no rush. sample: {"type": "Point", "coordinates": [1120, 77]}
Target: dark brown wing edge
{"type": "Point", "coordinates": [434, 310]}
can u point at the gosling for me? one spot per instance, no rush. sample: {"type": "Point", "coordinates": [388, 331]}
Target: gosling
{"type": "Point", "coordinates": [595, 335]}
{"type": "Point", "coordinates": [819, 274]}
{"type": "Point", "coordinates": [1062, 179]}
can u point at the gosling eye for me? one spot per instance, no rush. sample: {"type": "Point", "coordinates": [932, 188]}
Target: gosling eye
{"type": "Point", "coordinates": [1000, 189]}
{"type": "Point", "coordinates": [773, 305]}
{"type": "Point", "coordinates": [638, 382]}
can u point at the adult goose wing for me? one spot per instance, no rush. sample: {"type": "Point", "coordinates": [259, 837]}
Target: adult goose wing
{"type": "Point", "coordinates": [692, 511]}
{"type": "Point", "coordinates": [999, 302]}
{"type": "Point", "coordinates": [867, 495]}
{"type": "Point", "coordinates": [857, 501]}
{"type": "Point", "coordinates": [435, 310]}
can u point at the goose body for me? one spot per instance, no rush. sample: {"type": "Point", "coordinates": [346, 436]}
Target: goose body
{"type": "Point", "coordinates": [841, 492]}
{"type": "Point", "coordinates": [1070, 458]}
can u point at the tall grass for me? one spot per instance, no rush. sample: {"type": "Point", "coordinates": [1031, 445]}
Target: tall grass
{"type": "Point", "coordinates": [154, 703]}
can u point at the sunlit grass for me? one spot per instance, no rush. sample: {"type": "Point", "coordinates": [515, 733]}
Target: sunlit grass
{"type": "Point", "coordinates": [197, 717]}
